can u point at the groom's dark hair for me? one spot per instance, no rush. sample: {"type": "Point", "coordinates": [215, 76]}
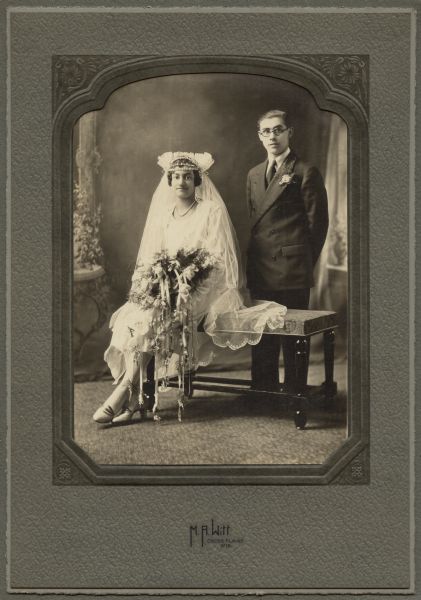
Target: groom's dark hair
{"type": "Point", "coordinates": [275, 113]}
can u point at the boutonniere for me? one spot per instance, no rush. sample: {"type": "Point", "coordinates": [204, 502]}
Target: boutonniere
{"type": "Point", "coordinates": [286, 179]}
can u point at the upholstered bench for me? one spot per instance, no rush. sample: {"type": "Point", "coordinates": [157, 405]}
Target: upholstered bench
{"type": "Point", "coordinates": [302, 325]}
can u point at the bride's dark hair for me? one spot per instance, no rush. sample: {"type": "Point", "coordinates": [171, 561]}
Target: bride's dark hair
{"type": "Point", "coordinates": [197, 180]}
{"type": "Point", "coordinates": [185, 165]}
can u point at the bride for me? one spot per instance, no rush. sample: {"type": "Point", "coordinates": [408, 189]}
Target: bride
{"type": "Point", "coordinates": [186, 212]}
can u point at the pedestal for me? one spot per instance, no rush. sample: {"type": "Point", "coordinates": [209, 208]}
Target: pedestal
{"type": "Point", "coordinates": [90, 306]}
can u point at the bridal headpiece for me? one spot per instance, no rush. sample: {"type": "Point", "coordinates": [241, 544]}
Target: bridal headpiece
{"type": "Point", "coordinates": [186, 161]}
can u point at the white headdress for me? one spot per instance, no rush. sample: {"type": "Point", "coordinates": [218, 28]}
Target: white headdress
{"type": "Point", "coordinates": [200, 161]}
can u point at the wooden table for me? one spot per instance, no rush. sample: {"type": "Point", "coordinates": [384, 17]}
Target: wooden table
{"type": "Point", "coordinates": [301, 325]}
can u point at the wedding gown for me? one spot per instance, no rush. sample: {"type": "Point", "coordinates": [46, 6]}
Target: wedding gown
{"type": "Point", "coordinates": [217, 302]}
{"type": "Point", "coordinates": [132, 325]}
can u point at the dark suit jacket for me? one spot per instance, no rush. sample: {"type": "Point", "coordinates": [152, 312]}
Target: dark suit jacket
{"type": "Point", "coordinates": [289, 222]}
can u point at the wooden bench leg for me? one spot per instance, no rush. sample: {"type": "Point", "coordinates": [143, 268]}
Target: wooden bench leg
{"type": "Point", "coordinates": [329, 354]}
{"type": "Point", "coordinates": [188, 384]}
{"type": "Point", "coordinates": [329, 350]}
{"type": "Point", "coordinates": [301, 362]}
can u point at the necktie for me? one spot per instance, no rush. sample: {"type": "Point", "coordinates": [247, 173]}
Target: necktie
{"type": "Point", "coordinates": [271, 173]}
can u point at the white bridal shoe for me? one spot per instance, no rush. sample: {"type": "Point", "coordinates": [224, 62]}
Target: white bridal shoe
{"type": "Point", "coordinates": [113, 405]}
{"type": "Point", "coordinates": [127, 415]}
{"type": "Point", "coordinates": [104, 414]}
{"type": "Point", "coordinates": [133, 406]}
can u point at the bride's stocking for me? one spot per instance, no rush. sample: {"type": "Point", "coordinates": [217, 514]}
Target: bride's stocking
{"type": "Point", "coordinates": [144, 361]}
{"type": "Point", "coordinates": [135, 369]}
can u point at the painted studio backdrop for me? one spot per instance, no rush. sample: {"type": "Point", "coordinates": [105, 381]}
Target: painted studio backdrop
{"type": "Point", "coordinates": [116, 173]}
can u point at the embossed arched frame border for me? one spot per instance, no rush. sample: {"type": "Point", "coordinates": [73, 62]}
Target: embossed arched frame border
{"type": "Point", "coordinates": [338, 83]}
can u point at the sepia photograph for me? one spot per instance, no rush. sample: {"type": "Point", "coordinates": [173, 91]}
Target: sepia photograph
{"type": "Point", "coordinates": [210, 274]}
{"type": "Point", "coordinates": [210, 232]}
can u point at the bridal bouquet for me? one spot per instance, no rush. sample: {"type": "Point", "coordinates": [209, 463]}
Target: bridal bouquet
{"type": "Point", "coordinates": [166, 286]}
{"type": "Point", "coordinates": [169, 281]}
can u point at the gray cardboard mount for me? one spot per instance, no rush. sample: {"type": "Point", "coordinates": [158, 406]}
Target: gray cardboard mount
{"type": "Point", "coordinates": [300, 540]}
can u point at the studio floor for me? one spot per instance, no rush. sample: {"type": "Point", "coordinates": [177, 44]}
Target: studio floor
{"type": "Point", "coordinates": [216, 428]}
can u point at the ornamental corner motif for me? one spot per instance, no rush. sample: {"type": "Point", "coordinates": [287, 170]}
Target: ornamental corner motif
{"type": "Point", "coordinates": [348, 73]}
{"type": "Point", "coordinates": [65, 472]}
{"type": "Point", "coordinates": [75, 73]}
{"type": "Point", "coordinates": [356, 472]}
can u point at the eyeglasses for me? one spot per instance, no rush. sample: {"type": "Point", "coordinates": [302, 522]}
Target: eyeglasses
{"type": "Point", "coordinates": [276, 130]}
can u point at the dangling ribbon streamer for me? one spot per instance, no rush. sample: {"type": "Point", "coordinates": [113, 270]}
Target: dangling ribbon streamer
{"type": "Point", "coordinates": [156, 417]}
{"type": "Point", "coordinates": [140, 396]}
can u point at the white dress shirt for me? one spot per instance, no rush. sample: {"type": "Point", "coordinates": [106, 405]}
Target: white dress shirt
{"type": "Point", "coordinates": [278, 160]}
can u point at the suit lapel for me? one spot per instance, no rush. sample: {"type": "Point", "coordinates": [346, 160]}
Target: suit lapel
{"type": "Point", "coordinates": [275, 187]}
{"type": "Point", "coordinates": [259, 183]}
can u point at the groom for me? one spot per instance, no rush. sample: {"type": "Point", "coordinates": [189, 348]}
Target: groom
{"type": "Point", "coordinates": [287, 205]}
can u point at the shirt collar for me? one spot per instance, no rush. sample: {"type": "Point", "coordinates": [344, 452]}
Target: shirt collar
{"type": "Point", "coordinates": [278, 159]}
